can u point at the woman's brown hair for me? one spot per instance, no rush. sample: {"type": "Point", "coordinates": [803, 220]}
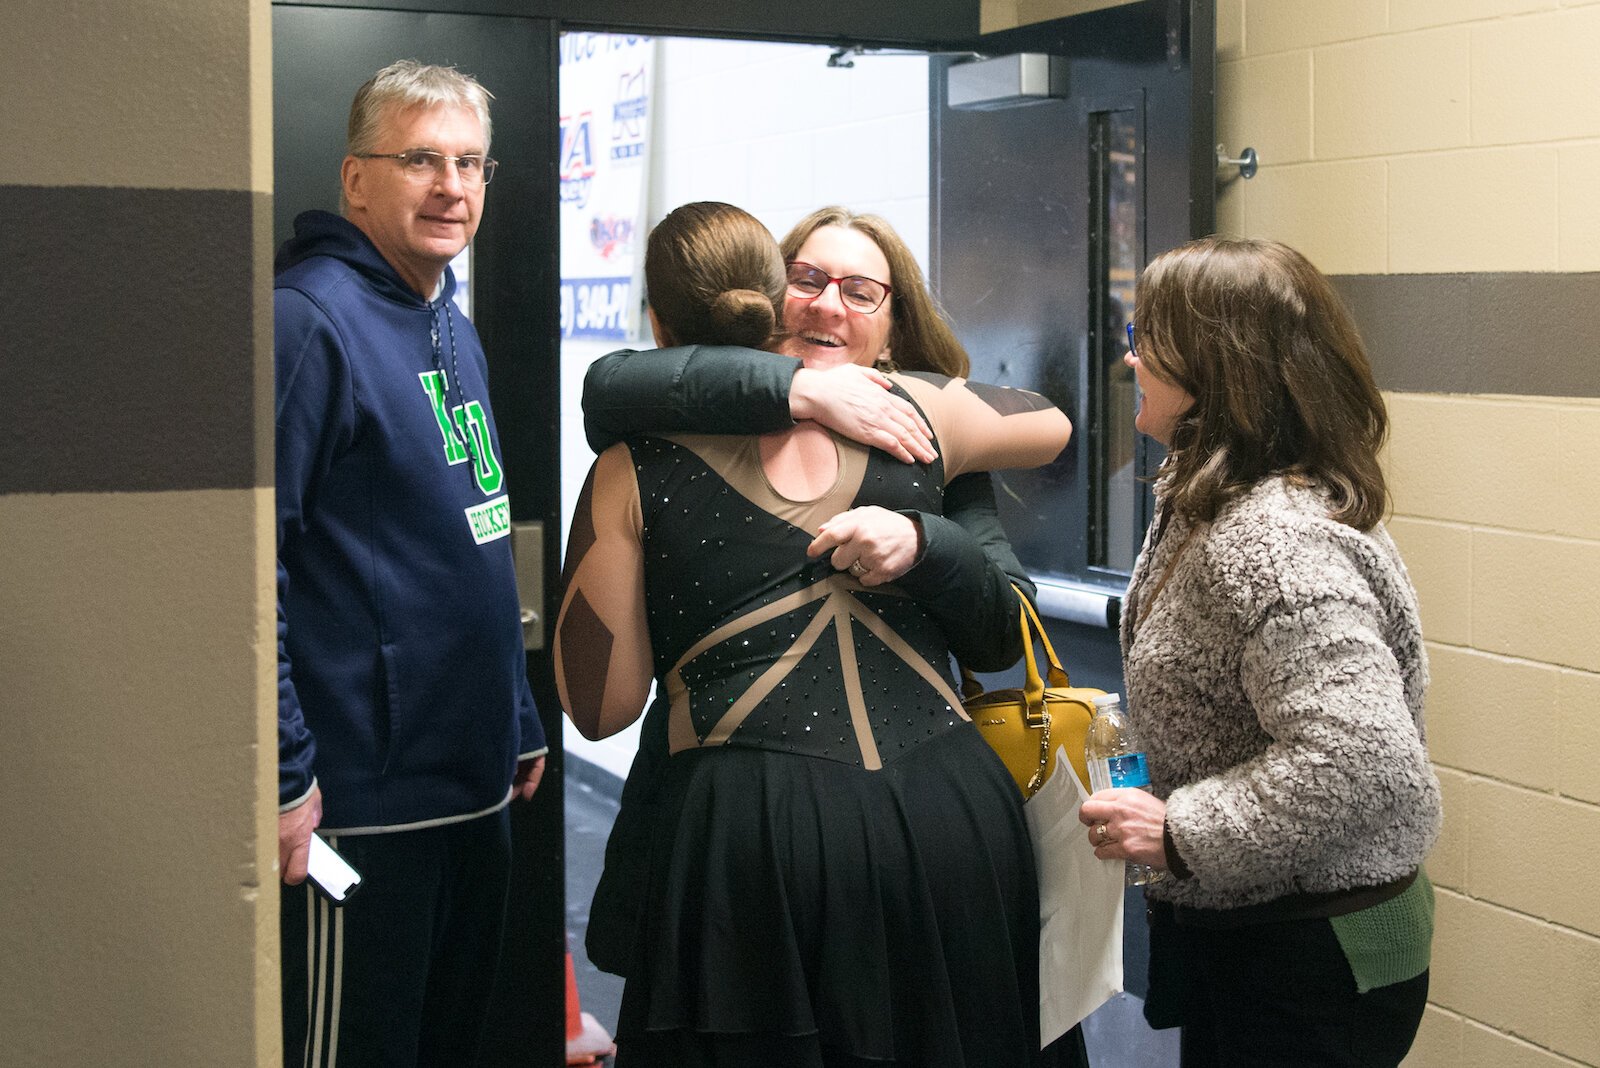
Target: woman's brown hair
{"type": "Point", "coordinates": [714, 277]}
{"type": "Point", "coordinates": [920, 339]}
{"type": "Point", "coordinates": [1280, 377]}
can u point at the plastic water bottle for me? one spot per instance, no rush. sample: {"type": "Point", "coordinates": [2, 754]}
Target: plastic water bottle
{"type": "Point", "coordinates": [1115, 759]}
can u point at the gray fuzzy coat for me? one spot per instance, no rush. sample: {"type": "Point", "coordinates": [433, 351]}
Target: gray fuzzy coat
{"type": "Point", "coordinates": [1277, 685]}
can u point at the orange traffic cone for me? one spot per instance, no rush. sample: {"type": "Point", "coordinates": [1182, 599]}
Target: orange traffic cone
{"type": "Point", "coordinates": [587, 1041]}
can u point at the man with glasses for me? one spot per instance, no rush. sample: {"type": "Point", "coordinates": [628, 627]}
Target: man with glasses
{"type": "Point", "coordinates": [405, 721]}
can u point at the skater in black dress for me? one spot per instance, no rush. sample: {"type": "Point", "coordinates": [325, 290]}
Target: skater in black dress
{"type": "Point", "coordinates": [840, 873]}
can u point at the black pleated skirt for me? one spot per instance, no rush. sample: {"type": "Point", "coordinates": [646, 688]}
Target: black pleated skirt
{"type": "Point", "coordinates": [803, 912]}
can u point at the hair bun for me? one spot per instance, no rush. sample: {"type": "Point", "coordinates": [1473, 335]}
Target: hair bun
{"type": "Point", "coordinates": [743, 317]}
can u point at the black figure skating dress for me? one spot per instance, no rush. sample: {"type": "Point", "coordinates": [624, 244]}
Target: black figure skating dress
{"type": "Point", "coordinates": [840, 872]}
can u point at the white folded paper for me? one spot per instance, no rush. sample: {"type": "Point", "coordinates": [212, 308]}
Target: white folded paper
{"type": "Point", "coordinates": [1080, 907]}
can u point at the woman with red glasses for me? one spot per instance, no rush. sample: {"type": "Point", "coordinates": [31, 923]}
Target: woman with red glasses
{"type": "Point", "coordinates": [837, 872]}
{"type": "Point", "coordinates": [855, 305]}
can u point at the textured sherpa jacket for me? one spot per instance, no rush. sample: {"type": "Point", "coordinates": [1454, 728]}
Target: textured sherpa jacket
{"type": "Point", "coordinates": [1277, 684]}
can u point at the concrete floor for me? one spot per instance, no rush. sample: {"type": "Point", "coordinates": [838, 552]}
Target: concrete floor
{"type": "Point", "coordinates": [1116, 1033]}
{"type": "Point", "coordinates": [591, 806]}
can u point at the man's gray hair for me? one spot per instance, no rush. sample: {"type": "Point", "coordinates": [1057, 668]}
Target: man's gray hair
{"type": "Point", "coordinates": [406, 84]}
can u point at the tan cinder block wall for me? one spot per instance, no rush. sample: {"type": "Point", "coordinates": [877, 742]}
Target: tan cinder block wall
{"type": "Point", "coordinates": [137, 660]}
{"type": "Point", "coordinates": [1404, 120]}
{"type": "Point", "coordinates": [1497, 509]}
{"type": "Point", "coordinates": [1409, 140]}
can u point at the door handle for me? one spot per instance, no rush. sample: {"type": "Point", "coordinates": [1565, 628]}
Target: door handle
{"type": "Point", "coordinates": [527, 554]}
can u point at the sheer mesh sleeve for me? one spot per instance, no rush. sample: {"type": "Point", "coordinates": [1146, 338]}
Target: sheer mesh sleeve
{"type": "Point", "coordinates": [987, 428]}
{"type": "Point", "coordinates": [603, 657]}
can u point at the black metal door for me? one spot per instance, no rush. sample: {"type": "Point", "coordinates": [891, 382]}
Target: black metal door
{"type": "Point", "coordinates": [320, 57]}
{"type": "Point", "coordinates": [1043, 214]}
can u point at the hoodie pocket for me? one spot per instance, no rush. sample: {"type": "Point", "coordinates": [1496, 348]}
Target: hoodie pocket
{"type": "Point", "coordinates": [388, 721]}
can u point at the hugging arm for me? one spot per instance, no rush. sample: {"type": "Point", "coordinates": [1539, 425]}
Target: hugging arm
{"type": "Point", "coordinates": [966, 575]}
{"type": "Point", "coordinates": [712, 389]}
{"type": "Point", "coordinates": [954, 570]}
{"type": "Point", "coordinates": [979, 427]}
{"type": "Point", "coordinates": [703, 388]}
{"type": "Point", "coordinates": [989, 428]}
{"type": "Point", "coordinates": [960, 563]}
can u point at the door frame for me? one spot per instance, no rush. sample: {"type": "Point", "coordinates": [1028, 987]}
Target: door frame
{"type": "Point", "coordinates": [516, 277]}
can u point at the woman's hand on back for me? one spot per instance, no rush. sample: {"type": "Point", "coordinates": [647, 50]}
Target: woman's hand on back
{"type": "Point", "coordinates": [873, 544]}
{"type": "Point", "coordinates": [856, 402]}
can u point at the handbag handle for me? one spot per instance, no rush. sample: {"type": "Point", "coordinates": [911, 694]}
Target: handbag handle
{"type": "Point", "coordinates": [1033, 685]}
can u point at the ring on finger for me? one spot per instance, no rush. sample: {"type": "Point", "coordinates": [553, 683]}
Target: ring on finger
{"type": "Point", "coordinates": [858, 569]}
{"type": "Point", "coordinates": [1103, 833]}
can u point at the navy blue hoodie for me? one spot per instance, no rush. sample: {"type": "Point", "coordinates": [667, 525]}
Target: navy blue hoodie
{"type": "Point", "coordinates": [402, 684]}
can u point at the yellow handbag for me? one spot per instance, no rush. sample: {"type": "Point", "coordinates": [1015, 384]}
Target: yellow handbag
{"type": "Point", "coordinates": [1025, 726]}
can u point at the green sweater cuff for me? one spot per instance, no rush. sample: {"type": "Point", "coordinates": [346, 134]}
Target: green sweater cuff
{"type": "Point", "coordinates": [1389, 942]}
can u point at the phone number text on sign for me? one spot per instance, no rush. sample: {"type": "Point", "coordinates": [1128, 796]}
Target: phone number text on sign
{"type": "Point", "coordinates": [595, 307]}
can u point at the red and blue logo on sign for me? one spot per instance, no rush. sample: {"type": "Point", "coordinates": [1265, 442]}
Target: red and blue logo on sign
{"type": "Point", "coordinates": [577, 158]}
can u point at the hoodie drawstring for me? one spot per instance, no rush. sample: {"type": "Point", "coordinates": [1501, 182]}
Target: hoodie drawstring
{"type": "Point", "coordinates": [454, 375]}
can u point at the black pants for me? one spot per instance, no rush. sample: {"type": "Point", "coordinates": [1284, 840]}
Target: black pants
{"type": "Point", "coordinates": [1275, 994]}
{"type": "Point", "coordinates": [400, 975]}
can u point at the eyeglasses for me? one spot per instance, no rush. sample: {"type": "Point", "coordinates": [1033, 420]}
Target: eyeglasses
{"type": "Point", "coordinates": [425, 165]}
{"type": "Point", "coordinates": [1130, 342]}
{"type": "Point", "coordinates": [859, 293]}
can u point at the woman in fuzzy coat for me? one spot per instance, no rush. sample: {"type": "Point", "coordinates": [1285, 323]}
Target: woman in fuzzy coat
{"type": "Point", "coordinates": [1275, 673]}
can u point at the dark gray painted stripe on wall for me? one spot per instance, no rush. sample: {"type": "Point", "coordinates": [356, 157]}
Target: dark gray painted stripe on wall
{"type": "Point", "coordinates": [128, 346]}
{"type": "Point", "coordinates": [1534, 334]}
